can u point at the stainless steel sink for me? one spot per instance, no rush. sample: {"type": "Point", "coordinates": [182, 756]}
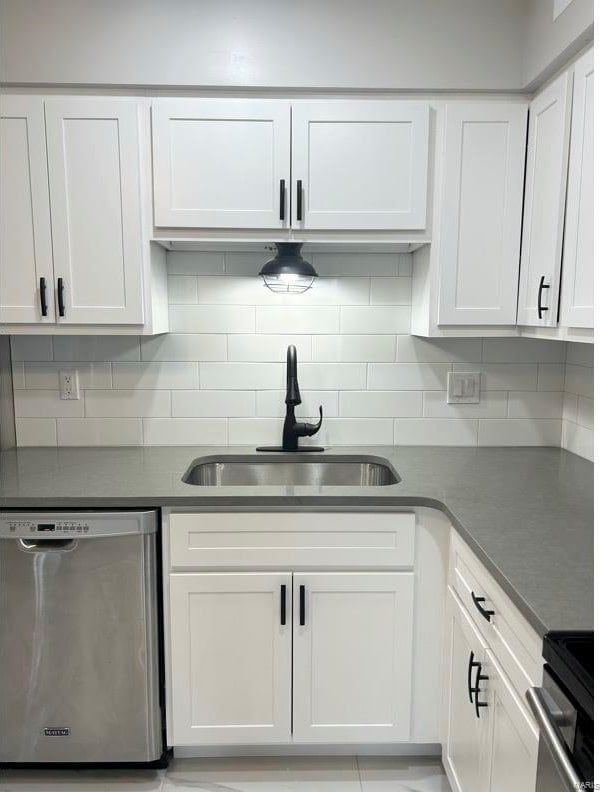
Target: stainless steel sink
{"type": "Point", "coordinates": [290, 469]}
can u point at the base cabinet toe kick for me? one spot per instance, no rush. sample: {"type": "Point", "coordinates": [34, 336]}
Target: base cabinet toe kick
{"type": "Point", "coordinates": [300, 629]}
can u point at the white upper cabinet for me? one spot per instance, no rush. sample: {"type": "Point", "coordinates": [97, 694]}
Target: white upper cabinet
{"type": "Point", "coordinates": [26, 275]}
{"type": "Point", "coordinates": [359, 164]}
{"type": "Point", "coordinates": [545, 190]}
{"type": "Point", "coordinates": [221, 163]}
{"type": "Point", "coordinates": [577, 293]}
{"type": "Point", "coordinates": [94, 177]}
{"type": "Point", "coordinates": [353, 651]}
{"type": "Point", "coordinates": [480, 231]}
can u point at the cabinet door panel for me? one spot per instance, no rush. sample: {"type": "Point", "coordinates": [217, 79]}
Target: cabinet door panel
{"type": "Point", "coordinates": [230, 659]}
{"type": "Point", "coordinates": [577, 296]}
{"type": "Point", "coordinates": [25, 239]}
{"type": "Point", "coordinates": [361, 164]}
{"type": "Point", "coordinates": [93, 162]}
{"type": "Point", "coordinates": [512, 740]}
{"type": "Point", "coordinates": [484, 166]}
{"type": "Point", "coordinates": [545, 191]}
{"type": "Point", "coordinates": [463, 748]}
{"type": "Point", "coordinates": [219, 163]}
{"type": "Point", "coordinates": [353, 657]}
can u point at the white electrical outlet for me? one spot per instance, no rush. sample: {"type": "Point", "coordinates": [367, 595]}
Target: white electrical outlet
{"type": "Point", "coordinates": [463, 387]}
{"type": "Point", "coordinates": [69, 384]}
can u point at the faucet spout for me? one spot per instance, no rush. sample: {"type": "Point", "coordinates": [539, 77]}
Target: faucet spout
{"type": "Point", "coordinates": [292, 396]}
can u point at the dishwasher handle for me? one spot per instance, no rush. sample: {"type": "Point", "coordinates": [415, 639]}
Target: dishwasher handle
{"type": "Point", "coordinates": [537, 699]}
{"type": "Point", "coordinates": [43, 545]}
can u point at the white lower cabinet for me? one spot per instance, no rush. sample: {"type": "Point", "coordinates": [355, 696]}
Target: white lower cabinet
{"type": "Point", "coordinates": [352, 656]}
{"type": "Point", "coordinates": [230, 658]}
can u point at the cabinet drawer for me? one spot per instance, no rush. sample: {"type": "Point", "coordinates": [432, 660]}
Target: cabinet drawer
{"type": "Point", "coordinates": [285, 540]}
{"type": "Point", "coordinates": [512, 640]}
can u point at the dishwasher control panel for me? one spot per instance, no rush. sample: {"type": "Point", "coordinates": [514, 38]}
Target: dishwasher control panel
{"type": "Point", "coordinates": [62, 524]}
{"type": "Point", "coordinates": [60, 527]}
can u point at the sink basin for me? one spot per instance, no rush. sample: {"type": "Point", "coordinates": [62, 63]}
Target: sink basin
{"type": "Point", "coordinates": [290, 469]}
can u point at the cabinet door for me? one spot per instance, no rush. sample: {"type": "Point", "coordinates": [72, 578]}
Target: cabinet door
{"type": "Point", "coordinates": [464, 739]}
{"type": "Point", "coordinates": [94, 176]}
{"type": "Point", "coordinates": [511, 741]}
{"type": "Point", "coordinates": [230, 669]}
{"type": "Point", "coordinates": [577, 295]}
{"type": "Point", "coordinates": [221, 163]}
{"type": "Point", "coordinates": [543, 213]}
{"type": "Point", "coordinates": [25, 239]}
{"type": "Point", "coordinates": [352, 656]}
{"type": "Point", "coordinates": [484, 169]}
{"type": "Point", "coordinates": [359, 164]}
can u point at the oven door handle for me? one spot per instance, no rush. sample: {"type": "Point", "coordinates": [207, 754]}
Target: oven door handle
{"type": "Point", "coordinates": [539, 702]}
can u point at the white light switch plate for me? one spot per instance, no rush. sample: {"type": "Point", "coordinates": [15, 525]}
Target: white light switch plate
{"type": "Point", "coordinates": [69, 385]}
{"type": "Point", "coordinates": [463, 387]}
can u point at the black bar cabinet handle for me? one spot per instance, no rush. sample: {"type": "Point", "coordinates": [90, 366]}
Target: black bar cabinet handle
{"type": "Point", "coordinates": [282, 601]}
{"type": "Point", "coordinates": [282, 199]}
{"type": "Point", "coordinates": [479, 678]}
{"type": "Point", "coordinates": [43, 303]}
{"type": "Point", "coordinates": [472, 664]}
{"type": "Point", "coordinates": [487, 614]}
{"type": "Point", "coordinates": [299, 199]}
{"type": "Point", "coordinates": [540, 307]}
{"type": "Point", "coordinates": [61, 297]}
{"type": "Point", "coordinates": [302, 606]}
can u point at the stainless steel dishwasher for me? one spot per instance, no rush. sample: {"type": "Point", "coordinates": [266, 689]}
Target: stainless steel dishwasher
{"type": "Point", "coordinates": [79, 661]}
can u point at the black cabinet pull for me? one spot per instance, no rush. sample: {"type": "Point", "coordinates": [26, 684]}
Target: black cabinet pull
{"type": "Point", "coordinates": [299, 199]}
{"type": "Point", "coordinates": [479, 678]}
{"type": "Point", "coordinates": [477, 602]}
{"type": "Point", "coordinates": [541, 308]}
{"type": "Point", "coordinates": [61, 297]}
{"type": "Point", "coordinates": [43, 303]}
{"type": "Point", "coordinates": [282, 199]}
{"type": "Point", "coordinates": [282, 601]}
{"type": "Point", "coordinates": [302, 606]}
{"type": "Point", "coordinates": [472, 664]}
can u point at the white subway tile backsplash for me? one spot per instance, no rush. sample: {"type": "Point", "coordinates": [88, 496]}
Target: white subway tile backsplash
{"type": "Point", "coordinates": [266, 348]}
{"type": "Point", "coordinates": [354, 348]}
{"type": "Point", "coordinates": [411, 349]}
{"type": "Point", "coordinates": [585, 412]}
{"type": "Point", "coordinates": [45, 404]}
{"type": "Point", "coordinates": [96, 348]}
{"type": "Point", "coordinates": [570, 407]}
{"type": "Point", "coordinates": [492, 405]}
{"type": "Point", "coordinates": [271, 404]}
{"type": "Point", "coordinates": [391, 291]}
{"type": "Point", "coordinates": [505, 376]}
{"type": "Point", "coordinates": [519, 432]}
{"type": "Point", "coordinates": [435, 431]}
{"type": "Point", "coordinates": [241, 376]}
{"type": "Point", "coordinates": [31, 347]}
{"type": "Point", "coordinates": [150, 376]}
{"type": "Point", "coordinates": [404, 376]}
{"type": "Point", "coordinates": [579, 380]}
{"type": "Point", "coordinates": [332, 376]}
{"type": "Point", "coordinates": [35, 431]}
{"type": "Point", "coordinates": [99, 431]}
{"type": "Point", "coordinates": [381, 404]}
{"type": "Point", "coordinates": [355, 432]}
{"type": "Point", "coordinates": [195, 263]}
{"type": "Point", "coordinates": [182, 289]}
{"type": "Point", "coordinates": [212, 318]}
{"type": "Point", "coordinates": [523, 350]}
{"type": "Point", "coordinates": [18, 375]}
{"type": "Point", "coordinates": [375, 319]}
{"type": "Point", "coordinates": [212, 404]}
{"type": "Point", "coordinates": [230, 290]}
{"type": "Point", "coordinates": [45, 376]}
{"type": "Point", "coordinates": [185, 431]}
{"type": "Point", "coordinates": [249, 263]}
{"type": "Point", "coordinates": [372, 264]}
{"type": "Point", "coordinates": [292, 319]}
{"type": "Point", "coordinates": [535, 404]}
{"type": "Point", "coordinates": [255, 431]}
{"type": "Point", "coordinates": [185, 346]}
{"type": "Point", "coordinates": [580, 354]}
{"type": "Point", "coordinates": [578, 439]}
{"type": "Point", "coordinates": [127, 403]}
{"type": "Point", "coordinates": [551, 376]}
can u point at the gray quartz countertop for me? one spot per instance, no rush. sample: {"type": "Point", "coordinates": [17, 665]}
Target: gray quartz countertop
{"type": "Point", "coordinates": [526, 512]}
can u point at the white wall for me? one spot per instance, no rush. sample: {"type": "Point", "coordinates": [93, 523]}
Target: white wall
{"type": "Point", "coordinates": [386, 44]}
{"type": "Point", "coordinates": [218, 377]}
{"type": "Point", "coordinates": [578, 415]}
{"type": "Point", "coordinates": [550, 42]}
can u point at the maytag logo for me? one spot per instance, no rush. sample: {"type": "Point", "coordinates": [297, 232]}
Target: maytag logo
{"type": "Point", "coordinates": [56, 731]}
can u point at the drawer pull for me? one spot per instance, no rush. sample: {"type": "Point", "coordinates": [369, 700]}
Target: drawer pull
{"type": "Point", "coordinates": [487, 614]}
{"type": "Point", "coordinates": [302, 606]}
{"type": "Point", "coordinates": [479, 677]}
{"type": "Point", "coordinates": [282, 608]}
{"type": "Point", "coordinates": [472, 664]}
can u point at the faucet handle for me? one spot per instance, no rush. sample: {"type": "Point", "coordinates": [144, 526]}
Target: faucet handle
{"type": "Point", "coordinates": [312, 429]}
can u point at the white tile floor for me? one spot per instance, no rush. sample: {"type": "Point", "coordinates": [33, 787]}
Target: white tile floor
{"type": "Point", "coordinates": [343, 774]}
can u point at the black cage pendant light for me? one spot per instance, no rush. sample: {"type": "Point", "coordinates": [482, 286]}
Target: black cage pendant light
{"type": "Point", "coordinates": [288, 272]}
